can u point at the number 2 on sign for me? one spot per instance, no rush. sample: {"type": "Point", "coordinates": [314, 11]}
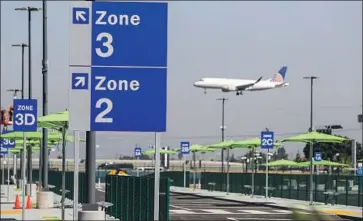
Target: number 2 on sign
{"type": "Point", "coordinates": [266, 142]}
{"type": "Point", "coordinates": [100, 118]}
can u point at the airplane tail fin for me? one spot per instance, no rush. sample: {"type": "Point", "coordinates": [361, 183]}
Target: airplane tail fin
{"type": "Point", "coordinates": [280, 75]}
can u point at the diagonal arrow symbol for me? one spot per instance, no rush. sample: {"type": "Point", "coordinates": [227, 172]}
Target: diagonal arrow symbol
{"type": "Point", "coordinates": [80, 81]}
{"type": "Point", "coordinates": [80, 15]}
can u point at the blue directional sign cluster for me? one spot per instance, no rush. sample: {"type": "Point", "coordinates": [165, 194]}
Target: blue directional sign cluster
{"type": "Point", "coordinates": [7, 143]}
{"type": "Point", "coordinates": [185, 147]}
{"type": "Point", "coordinates": [138, 152]}
{"type": "Point", "coordinates": [267, 139]}
{"type": "Point", "coordinates": [127, 78]}
{"type": "Point", "coordinates": [317, 156]}
{"type": "Point", "coordinates": [25, 115]}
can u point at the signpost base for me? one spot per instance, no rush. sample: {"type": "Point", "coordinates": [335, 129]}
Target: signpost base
{"type": "Point", "coordinates": [31, 188]}
{"type": "Point", "coordinates": [91, 215]}
{"type": "Point", "coordinates": [45, 199]}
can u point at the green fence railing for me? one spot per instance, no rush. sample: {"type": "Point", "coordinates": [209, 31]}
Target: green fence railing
{"type": "Point", "coordinates": [349, 189]}
{"type": "Point", "coordinates": [133, 198]}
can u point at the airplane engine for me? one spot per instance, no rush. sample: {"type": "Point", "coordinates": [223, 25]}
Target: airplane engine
{"type": "Point", "coordinates": [228, 89]}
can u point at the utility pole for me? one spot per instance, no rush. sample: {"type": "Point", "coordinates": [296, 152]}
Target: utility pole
{"type": "Point", "coordinates": [311, 149]}
{"type": "Point", "coordinates": [29, 151]}
{"type": "Point", "coordinates": [223, 127]}
{"type": "Point", "coordinates": [44, 156]}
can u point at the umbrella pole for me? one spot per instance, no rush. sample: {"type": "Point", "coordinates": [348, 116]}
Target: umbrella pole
{"type": "Point", "coordinates": [311, 172]}
{"type": "Point", "coordinates": [63, 171]}
{"type": "Point", "coordinates": [227, 171]}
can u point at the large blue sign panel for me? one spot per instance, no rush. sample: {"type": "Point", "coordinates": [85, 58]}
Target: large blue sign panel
{"type": "Point", "coordinates": [267, 139]}
{"type": "Point", "coordinates": [125, 79]}
{"type": "Point", "coordinates": [25, 115]}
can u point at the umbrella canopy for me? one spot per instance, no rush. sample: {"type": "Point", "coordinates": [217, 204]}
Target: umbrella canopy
{"type": "Point", "coordinates": [252, 143]}
{"type": "Point", "coordinates": [322, 163]}
{"type": "Point", "coordinates": [223, 145]}
{"type": "Point", "coordinates": [315, 137]}
{"type": "Point", "coordinates": [152, 152]}
{"type": "Point", "coordinates": [197, 148]}
{"type": "Point", "coordinates": [278, 163]}
{"type": "Point", "coordinates": [54, 121]}
{"type": "Point", "coordinates": [52, 136]}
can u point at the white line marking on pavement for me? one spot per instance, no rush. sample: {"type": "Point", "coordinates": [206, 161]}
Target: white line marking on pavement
{"type": "Point", "coordinates": [180, 211]}
{"type": "Point", "coordinates": [282, 211]}
{"type": "Point", "coordinates": [216, 211]}
{"type": "Point", "coordinates": [180, 207]}
{"type": "Point", "coordinates": [255, 218]}
{"type": "Point", "coordinates": [254, 211]}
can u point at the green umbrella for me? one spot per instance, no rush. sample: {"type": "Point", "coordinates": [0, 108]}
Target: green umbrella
{"type": "Point", "coordinates": [54, 121]}
{"type": "Point", "coordinates": [152, 152]}
{"type": "Point", "coordinates": [198, 148]}
{"type": "Point", "coordinates": [323, 163]}
{"type": "Point", "coordinates": [278, 163]}
{"type": "Point", "coordinates": [223, 145]}
{"type": "Point", "coordinates": [37, 135]}
{"type": "Point", "coordinates": [315, 137]}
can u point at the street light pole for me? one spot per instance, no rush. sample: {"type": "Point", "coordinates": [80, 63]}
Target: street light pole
{"type": "Point", "coordinates": [311, 149]}
{"type": "Point", "coordinates": [222, 129]}
{"type": "Point", "coordinates": [23, 46]}
{"type": "Point", "coordinates": [29, 151]}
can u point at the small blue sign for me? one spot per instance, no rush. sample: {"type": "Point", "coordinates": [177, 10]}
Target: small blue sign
{"type": "Point", "coordinates": [25, 115]}
{"type": "Point", "coordinates": [360, 171]}
{"type": "Point", "coordinates": [79, 81]}
{"type": "Point", "coordinates": [267, 139]}
{"type": "Point", "coordinates": [7, 143]}
{"type": "Point", "coordinates": [185, 147]}
{"type": "Point", "coordinates": [80, 16]}
{"type": "Point", "coordinates": [138, 152]}
{"type": "Point", "coordinates": [317, 156]}
{"type": "Point", "coordinates": [4, 150]}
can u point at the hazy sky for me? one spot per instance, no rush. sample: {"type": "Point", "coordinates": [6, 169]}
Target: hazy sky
{"type": "Point", "coordinates": [229, 39]}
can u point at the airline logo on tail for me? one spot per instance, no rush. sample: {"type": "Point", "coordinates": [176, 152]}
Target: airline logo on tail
{"type": "Point", "coordinates": [279, 77]}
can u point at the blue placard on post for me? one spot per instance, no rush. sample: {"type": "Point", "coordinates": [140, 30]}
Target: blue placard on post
{"type": "Point", "coordinates": [185, 147]}
{"type": "Point", "coordinates": [360, 171]}
{"type": "Point", "coordinates": [317, 156]}
{"type": "Point", "coordinates": [25, 115]}
{"type": "Point", "coordinates": [118, 66]}
{"type": "Point", "coordinates": [267, 139]}
{"type": "Point", "coordinates": [7, 143]}
{"type": "Point", "coordinates": [4, 150]}
{"type": "Point", "coordinates": [138, 152]}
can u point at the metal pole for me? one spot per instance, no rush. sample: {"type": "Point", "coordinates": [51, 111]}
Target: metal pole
{"type": "Point", "coordinates": [157, 176]}
{"type": "Point", "coordinates": [253, 172]}
{"type": "Point", "coordinates": [29, 149]}
{"type": "Point", "coordinates": [8, 168]}
{"type": "Point", "coordinates": [354, 151]}
{"type": "Point", "coordinates": [184, 170]}
{"type": "Point", "coordinates": [227, 171]}
{"type": "Point", "coordinates": [194, 169]}
{"type": "Point", "coordinates": [23, 177]}
{"type": "Point", "coordinates": [311, 143]}
{"type": "Point", "coordinates": [222, 128]}
{"type": "Point", "coordinates": [76, 176]}
{"type": "Point", "coordinates": [44, 147]}
{"type": "Point", "coordinates": [90, 166]}
{"type": "Point", "coordinates": [268, 155]}
{"type": "Point", "coordinates": [64, 171]}
{"type": "Point", "coordinates": [3, 161]}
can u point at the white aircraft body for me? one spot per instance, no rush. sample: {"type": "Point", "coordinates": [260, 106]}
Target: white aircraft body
{"type": "Point", "coordinates": [239, 85]}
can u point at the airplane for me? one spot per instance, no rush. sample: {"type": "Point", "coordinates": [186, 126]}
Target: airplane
{"type": "Point", "coordinates": [239, 85]}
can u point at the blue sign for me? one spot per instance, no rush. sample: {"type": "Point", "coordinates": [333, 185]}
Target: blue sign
{"type": "Point", "coordinates": [123, 52]}
{"type": "Point", "coordinates": [138, 152]}
{"type": "Point", "coordinates": [7, 143]}
{"type": "Point", "coordinates": [80, 81]}
{"type": "Point", "coordinates": [317, 156]}
{"type": "Point", "coordinates": [185, 147]}
{"type": "Point", "coordinates": [267, 139]}
{"type": "Point", "coordinates": [25, 115]}
{"type": "Point", "coordinates": [360, 171]}
{"type": "Point", "coordinates": [4, 150]}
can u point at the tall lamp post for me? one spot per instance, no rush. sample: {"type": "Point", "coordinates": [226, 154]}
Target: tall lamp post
{"type": "Point", "coordinates": [29, 151]}
{"type": "Point", "coordinates": [23, 46]}
{"type": "Point", "coordinates": [311, 149]}
{"type": "Point", "coordinates": [223, 128]}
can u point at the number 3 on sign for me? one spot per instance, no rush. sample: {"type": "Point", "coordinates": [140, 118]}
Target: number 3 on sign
{"type": "Point", "coordinates": [100, 118]}
{"type": "Point", "coordinates": [107, 44]}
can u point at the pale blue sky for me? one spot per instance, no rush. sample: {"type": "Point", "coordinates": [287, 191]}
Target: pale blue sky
{"type": "Point", "coordinates": [230, 39]}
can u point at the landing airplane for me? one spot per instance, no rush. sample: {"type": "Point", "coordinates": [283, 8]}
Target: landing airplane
{"type": "Point", "coordinates": [239, 85]}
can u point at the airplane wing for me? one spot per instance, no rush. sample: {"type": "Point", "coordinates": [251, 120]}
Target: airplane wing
{"type": "Point", "coordinates": [243, 87]}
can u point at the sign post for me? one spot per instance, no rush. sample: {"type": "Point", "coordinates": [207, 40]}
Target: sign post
{"type": "Point", "coordinates": [138, 154]}
{"type": "Point", "coordinates": [267, 142]}
{"type": "Point", "coordinates": [7, 143]}
{"type": "Point", "coordinates": [185, 149]}
{"type": "Point", "coordinates": [25, 120]}
{"type": "Point", "coordinates": [118, 69]}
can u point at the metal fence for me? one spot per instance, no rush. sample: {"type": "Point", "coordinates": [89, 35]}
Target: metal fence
{"type": "Point", "coordinates": [133, 197]}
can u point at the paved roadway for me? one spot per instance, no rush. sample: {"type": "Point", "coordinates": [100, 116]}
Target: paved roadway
{"type": "Point", "coordinates": [188, 207]}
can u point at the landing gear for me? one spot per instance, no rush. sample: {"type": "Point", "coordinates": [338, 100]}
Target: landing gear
{"type": "Point", "coordinates": [239, 93]}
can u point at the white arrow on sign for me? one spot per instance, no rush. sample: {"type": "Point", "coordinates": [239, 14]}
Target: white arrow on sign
{"type": "Point", "coordinates": [80, 15]}
{"type": "Point", "coordinates": [80, 81]}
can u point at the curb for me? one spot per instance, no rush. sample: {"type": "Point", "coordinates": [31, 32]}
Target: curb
{"type": "Point", "coordinates": [261, 204]}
